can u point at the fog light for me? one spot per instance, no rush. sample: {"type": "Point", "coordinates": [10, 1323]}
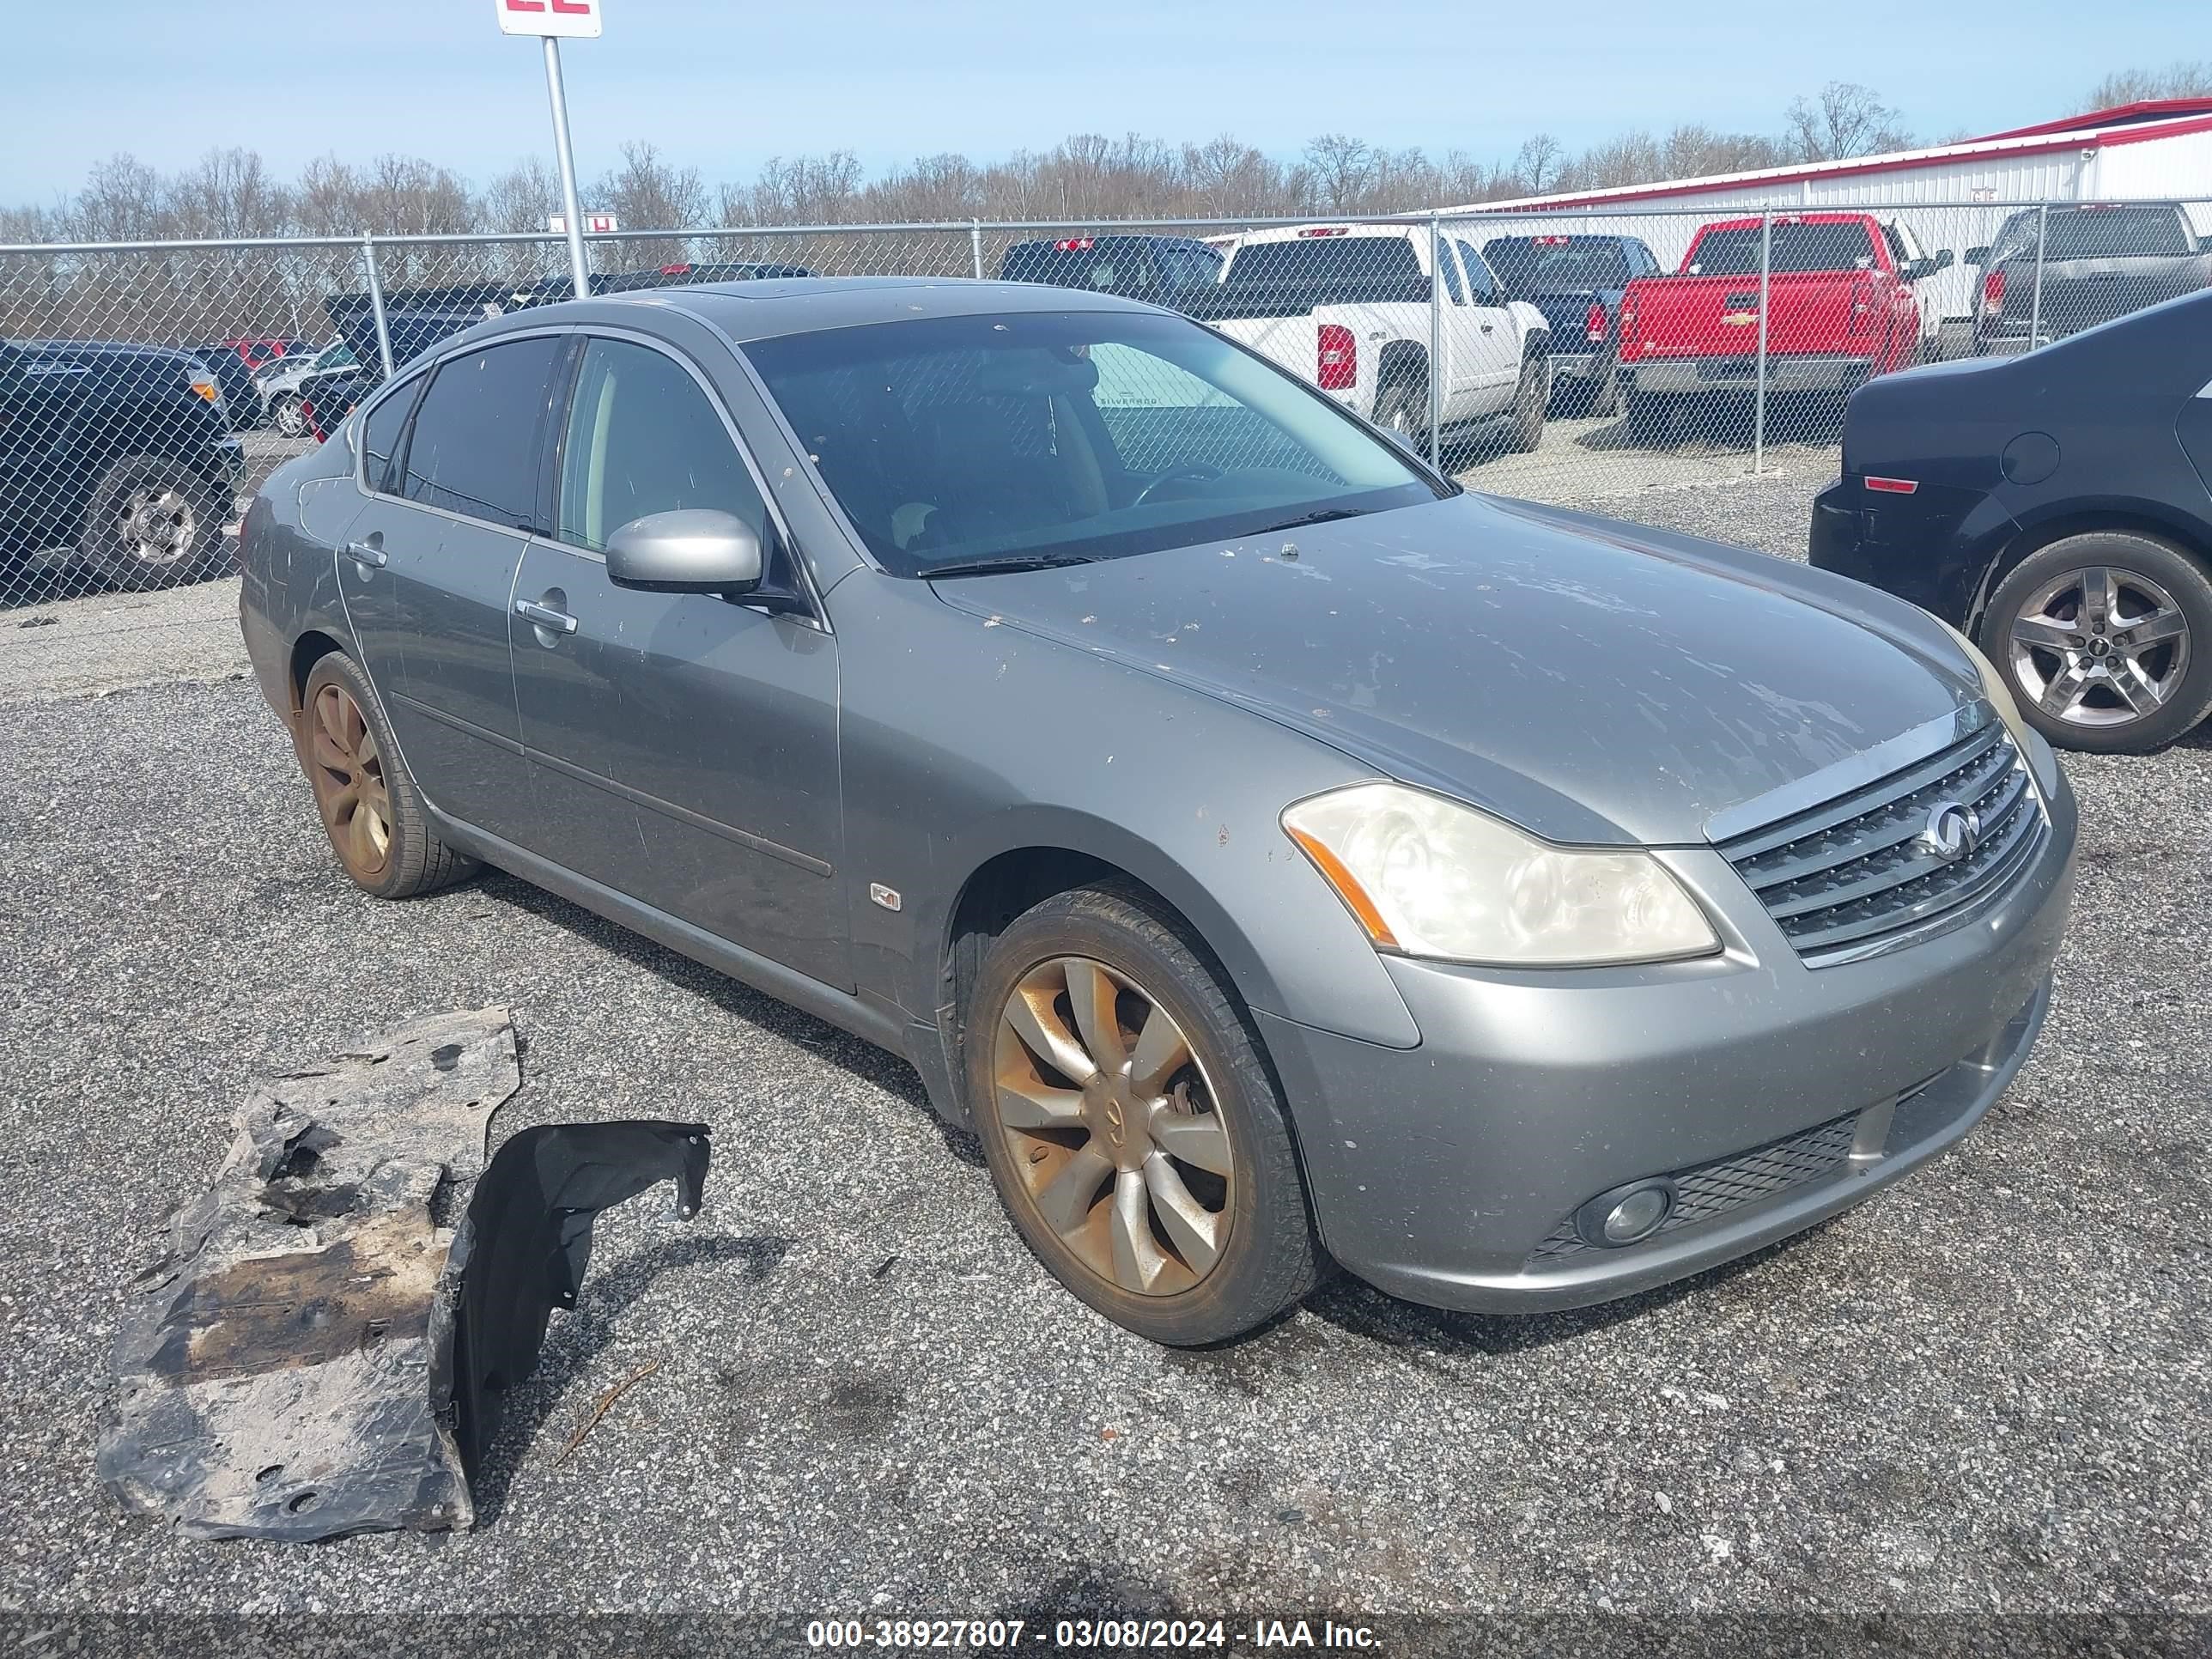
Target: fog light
{"type": "Point", "coordinates": [1626, 1215]}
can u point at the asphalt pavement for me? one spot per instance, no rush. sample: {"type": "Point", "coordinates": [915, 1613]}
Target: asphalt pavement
{"type": "Point", "coordinates": [1981, 1393]}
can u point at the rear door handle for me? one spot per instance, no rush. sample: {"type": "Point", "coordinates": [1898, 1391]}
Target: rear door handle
{"type": "Point", "coordinates": [367, 554]}
{"type": "Point", "coordinates": [545, 617]}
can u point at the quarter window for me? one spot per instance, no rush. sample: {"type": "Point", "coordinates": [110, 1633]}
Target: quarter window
{"type": "Point", "coordinates": [643, 438]}
{"type": "Point", "coordinates": [381, 435]}
{"type": "Point", "coordinates": [475, 446]}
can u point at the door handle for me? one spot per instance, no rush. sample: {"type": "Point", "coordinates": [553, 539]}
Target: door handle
{"type": "Point", "coordinates": [1488, 327]}
{"type": "Point", "coordinates": [545, 617]}
{"type": "Point", "coordinates": [367, 554]}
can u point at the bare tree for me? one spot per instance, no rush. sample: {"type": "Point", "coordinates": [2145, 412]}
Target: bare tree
{"type": "Point", "coordinates": [1846, 120]}
{"type": "Point", "coordinates": [2136, 86]}
{"type": "Point", "coordinates": [524, 198]}
{"type": "Point", "coordinates": [1342, 169]}
{"type": "Point", "coordinates": [1537, 163]}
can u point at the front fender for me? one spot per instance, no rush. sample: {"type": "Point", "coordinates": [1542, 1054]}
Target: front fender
{"type": "Point", "coordinates": [961, 739]}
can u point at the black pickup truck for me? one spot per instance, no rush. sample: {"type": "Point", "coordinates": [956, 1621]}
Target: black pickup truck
{"type": "Point", "coordinates": [2101, 260]}
{"type": "Point", "coordinates": [121, 453]}
{"type": "Point", "coordinates": [1577, 281]}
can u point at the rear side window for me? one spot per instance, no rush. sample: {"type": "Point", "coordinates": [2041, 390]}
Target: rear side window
{"type": "Point", "coordinates": [381, 435]}
{"type": "Point", "coordinates": [475, 446]}
{"type": "Point", "coordinates": [643, 438]}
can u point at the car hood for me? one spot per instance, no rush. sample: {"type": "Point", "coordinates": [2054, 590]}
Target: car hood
{"type": "Point", "coordinates": [1594, 682]}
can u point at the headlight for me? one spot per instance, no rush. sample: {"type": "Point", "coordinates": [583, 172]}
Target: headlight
{"type": "Point", "coordinates": [1996, 687]}
{"type": "Point", "coordinates": [1431, 877]}
{"type": "Point", "coordinates": [204, 386]}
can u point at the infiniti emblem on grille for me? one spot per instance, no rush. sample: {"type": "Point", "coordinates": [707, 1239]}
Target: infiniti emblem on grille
{"type": "Point", "coordinates": [1953, 831]}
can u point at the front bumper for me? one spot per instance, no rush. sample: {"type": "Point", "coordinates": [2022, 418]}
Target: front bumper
{"type": "Point", "coordinates": [226, 461]}
{"type": "Point", "coordinates": [1445, 1173]}
{"type": "Point", "coordinates": [1739, 372]}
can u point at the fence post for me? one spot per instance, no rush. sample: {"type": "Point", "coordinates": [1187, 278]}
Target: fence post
{"type": "Point", "coordinates": [376, 302]}
{"type": "Point", "coordinates": [1436, 345]}
{"type": "Point", "coordinates": [1765, 291]}
{"type": "Point", "coordinates": [976, 245]}
{"type": "Point", "coordinates": [2035, 309]}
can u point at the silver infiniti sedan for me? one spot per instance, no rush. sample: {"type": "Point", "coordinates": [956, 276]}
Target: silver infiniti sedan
{"type": "Point", "coordinates": [1274, 853]}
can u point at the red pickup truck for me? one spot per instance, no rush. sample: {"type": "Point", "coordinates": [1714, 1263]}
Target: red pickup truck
{"type": "Point", "coordinates": [1841, 310]}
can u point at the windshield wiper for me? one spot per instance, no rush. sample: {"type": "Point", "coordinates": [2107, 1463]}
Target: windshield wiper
{"type": "Point", "coordinates": [1324, 515]}
{"type": "Point", "coordinates": [1008, 562]}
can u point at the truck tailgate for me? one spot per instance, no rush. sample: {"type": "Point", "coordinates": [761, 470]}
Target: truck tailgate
{"type": "Point", "coordinates": [1811, 312]}
{"type": "Point", "coordinates": [1288, 341]}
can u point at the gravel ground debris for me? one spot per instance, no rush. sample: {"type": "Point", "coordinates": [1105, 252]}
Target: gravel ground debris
{"type": "Point", "coordinates": [1982, 1391]}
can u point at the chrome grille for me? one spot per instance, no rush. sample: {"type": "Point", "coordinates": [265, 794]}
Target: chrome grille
{"type": "Point", "coordinates": [1851, 877]}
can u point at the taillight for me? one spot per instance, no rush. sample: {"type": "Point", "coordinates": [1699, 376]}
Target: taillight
{"type": "Point", "coordinates": [1597, 324]}
{"type": "Point", "coordinates": [1993, 294]}
{"type": "Point", "coordinates": [1338, 369]}
{"type": "Point", "coordinates": [1628, 325]}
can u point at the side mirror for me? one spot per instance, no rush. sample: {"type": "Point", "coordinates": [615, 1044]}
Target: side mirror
{"type": "Point", "coordinates": [694, 549]}
{"type": "Point", "coordinates": [1943, 260]}
{"type": "Point", "coordinates": [1978, 256]}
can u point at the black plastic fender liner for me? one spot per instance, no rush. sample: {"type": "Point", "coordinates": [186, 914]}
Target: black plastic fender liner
{"type": "Point", "coordinates": [522, 1248]}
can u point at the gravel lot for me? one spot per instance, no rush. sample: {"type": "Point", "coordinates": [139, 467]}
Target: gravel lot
{"type": "Point", "coordinates": [1982, 1393]}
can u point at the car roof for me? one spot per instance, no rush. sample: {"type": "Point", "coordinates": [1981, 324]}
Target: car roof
{"type": "Point", "coordinates": [764, 309]}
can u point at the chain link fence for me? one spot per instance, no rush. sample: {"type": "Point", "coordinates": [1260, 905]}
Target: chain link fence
{"type": "Point", "coordinates": [1581, 358]}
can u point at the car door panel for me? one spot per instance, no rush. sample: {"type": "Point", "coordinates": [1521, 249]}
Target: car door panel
{"type": "Point", "coordinates": [1495, 365]}
{"type": "Point", "coordinates": [429, 573]}
{"type": "Point", "coordinates": [712, 723]}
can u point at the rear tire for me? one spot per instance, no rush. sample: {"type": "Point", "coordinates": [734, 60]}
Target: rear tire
{"type": "Point", "coordinates": [367, 801]}
{"type": "Point", "coordinates": [1532, 396]}
{"type": "Point", "coordinates": [1604, 394]}
{"type": "Point", "coordinates": [1402, 407]}
{"type": "Point", "coordinates": [152, 521]}
{"type": "Point", "coordinates": [287, 415]}
{"type": "Point", "coordinates": [2142, 609]}
{"type": "Point", "coordinates": [1148, 1162]}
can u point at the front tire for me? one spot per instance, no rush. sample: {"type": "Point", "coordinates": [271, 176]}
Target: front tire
{"type": "Point", "coordinates": [367, 801]}
{"type": "Point", "coordinates": [2105, 640]}
{"type": "Point", "coordinates": [151, 521]}
{"type": "Point", "coordinates": [1651, 416]}
{"type": "Point", "coordinates": [1132, 1127]}
{"type": "Point", "coordinates": [289, 416]}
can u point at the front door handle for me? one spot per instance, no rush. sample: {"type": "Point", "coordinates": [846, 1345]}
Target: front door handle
{"type": "Point", "coordinates": [368, 554]}
{"type": "Point", "coordinates": [545, 617]}
{"type": "Point", "coordinates": [1489, 328]}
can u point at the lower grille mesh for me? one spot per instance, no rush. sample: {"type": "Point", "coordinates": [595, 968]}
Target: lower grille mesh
{"type": "Point", "coordinates": [1708, 1190]}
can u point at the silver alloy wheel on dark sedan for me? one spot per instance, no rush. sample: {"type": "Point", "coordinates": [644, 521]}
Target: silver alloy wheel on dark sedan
{"type": "Point", "coordinates": [2102, 637]}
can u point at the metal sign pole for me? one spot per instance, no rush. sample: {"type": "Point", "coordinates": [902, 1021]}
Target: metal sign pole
{"type": "Point", "coordinates": [579, 267]}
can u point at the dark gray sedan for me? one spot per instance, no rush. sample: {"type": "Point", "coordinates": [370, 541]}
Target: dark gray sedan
{"type": "Point", "coordinates": [1275, 853]}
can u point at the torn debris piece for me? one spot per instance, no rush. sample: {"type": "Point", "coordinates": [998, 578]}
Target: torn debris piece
{"type": "Point", "coordinates": [521, 1249]}
{"type": "Point", "coordinates": [288, 1370]}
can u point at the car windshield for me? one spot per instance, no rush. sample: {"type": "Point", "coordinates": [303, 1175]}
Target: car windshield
{"type": "Point", "coordinates": [1797, 247]}
{"type": "Point", "coordinates": [1557, 264]}
{"type": "Point", "coordinates": [1066, 436]}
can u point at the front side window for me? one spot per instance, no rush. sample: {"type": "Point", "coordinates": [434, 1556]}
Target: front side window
{"type": "Point", "coordinates": [1067, 435]}
{"type": "Point", "coordinates": [475, 444]}
{"type": "Point", "coordinates": [643, 438]}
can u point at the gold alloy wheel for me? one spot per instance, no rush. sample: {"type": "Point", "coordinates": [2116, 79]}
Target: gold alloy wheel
{"type": "Point", "coordinates": [1112, 1129]}
{"type": "Point", "coordinates": [347, 771]}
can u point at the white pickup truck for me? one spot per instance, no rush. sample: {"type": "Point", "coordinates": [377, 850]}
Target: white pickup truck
{"type": "Point", "coordinates": [1350, 307]}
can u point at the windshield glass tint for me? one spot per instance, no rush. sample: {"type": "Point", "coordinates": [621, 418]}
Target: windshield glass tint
{"type": "Point", "coordinates": [1797, 247]}
{"type": "Point", "coordinates": [1084, 434]}
{"type": "Point", "coordinates": [1318, 259]}
{"type": "Point", "coordinates": [1560, 265]}
{"type": "Point", "coordinates": [2105, 232]}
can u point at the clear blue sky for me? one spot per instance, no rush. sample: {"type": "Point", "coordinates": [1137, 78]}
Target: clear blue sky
{"type": "Point", "coordinates": [724, 84]}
